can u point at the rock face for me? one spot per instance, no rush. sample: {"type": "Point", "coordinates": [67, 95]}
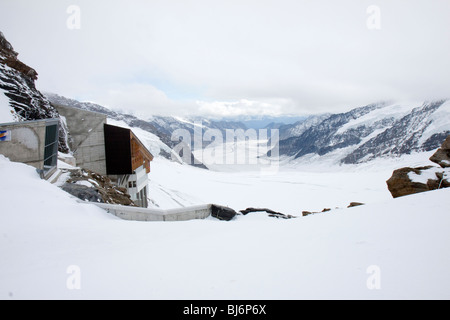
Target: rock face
{"type": "Point", "coordinates": [222, 213]}
{"type": "Point", "coordinates": [403, 136]}
{"type": "Point", "coordinates": [355, 204]}
{"type": "Point", "coordinates": [90, 186]}
{"type": "Point", "coordinates": [369, 132]}
{"type": "Point", "coordinates": [442, 155]}
{"type": "Point", "coordinates": [400, 184]}
{"type": "Point", "coordinates": [82, 192]}
{"type": "Point", "coordinates": [270, 212]}
{"type": "Point", "coordinates": [407, 180]}
{"type": "Point", "coordinates": [17, 83]}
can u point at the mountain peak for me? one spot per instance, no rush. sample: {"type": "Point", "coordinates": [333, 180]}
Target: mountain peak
{"type": "Point", "coordinates": [9, 57]}
{"type": "Point", "coordinates": [372, 131]}
{"type": "Point", "coordinates": [23, 101]}
{"type": "Point", "coordinates": [6, 49]}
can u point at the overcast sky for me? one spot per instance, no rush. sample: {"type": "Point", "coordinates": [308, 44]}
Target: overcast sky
{"type": "Point", "coordinates": [233, 58]}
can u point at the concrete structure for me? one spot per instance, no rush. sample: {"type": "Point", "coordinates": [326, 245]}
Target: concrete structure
{"type": "Point", "coordinates": [136, 185]}
{"type": "Point", "coordinates": [127, 162]}
{"type": "Point", "coordinates": [108, 150]}
{"type": "Point", "coordinates": [147, 214]}
{"type": "Point", "coordinates": [87, 140]}
{"type": "Point", "coordinates": [32, 142]}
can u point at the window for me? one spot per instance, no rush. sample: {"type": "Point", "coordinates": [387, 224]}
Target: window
{"type": "Point", "coordinates": [51, 146]}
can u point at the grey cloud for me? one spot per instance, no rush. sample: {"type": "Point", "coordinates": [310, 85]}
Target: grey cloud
{"type": "Point", "coordinates": [301, 56]}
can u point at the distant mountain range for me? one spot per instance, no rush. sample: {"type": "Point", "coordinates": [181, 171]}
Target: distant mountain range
{"type": "Point", "coordinates": [383, 129]}
{"type": "Point", "coordinates": [376, 130]}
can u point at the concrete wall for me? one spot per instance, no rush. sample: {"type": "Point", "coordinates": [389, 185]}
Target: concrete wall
{"type": "Point", "coordinates": [87, 139]}
{"type": "Point", "coordinates": [141, 178]}
{"type": "Point", "coordinates": [146, 214]}
{"type": "Point", "coordinates": [27, 142]}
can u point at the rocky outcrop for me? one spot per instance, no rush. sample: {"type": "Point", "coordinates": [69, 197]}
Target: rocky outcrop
{"type": "Point", "coordinates": [82, 192]}
{"type": "Point", "coordinates": [400, 183]}
{"type": "Point", "coordinates": [403, 136]}
{"type": "Point", "coordinates": [17, 83]}
{"type": "Point", "coordinates": [18, 65]}
{"type": "Point", "coordinates": [307, 213]}
{"type": "Point", "coordinates": [270, 212]}
{"type": "Point", "coordinates": [90, 186]}
{"type": "Point", "coordinates": [355, 204]}
{"type": "Point", "coordinates": [222, 213]}
{"type": "Point", "coordinates": [405, 181]}
{"type": "Point", "coordinates": [442, 155]}
{"type": "Point", "coordinates": [324, 137]}
{"type": "Point", "coordinates": [370, 132]}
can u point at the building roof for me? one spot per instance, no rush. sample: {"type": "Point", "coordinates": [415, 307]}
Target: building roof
{"type": "Point", "coordinates": [124, 151]}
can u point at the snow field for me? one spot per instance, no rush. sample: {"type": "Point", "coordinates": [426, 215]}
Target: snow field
{"type": "Point", "coordinates": [44, 231]}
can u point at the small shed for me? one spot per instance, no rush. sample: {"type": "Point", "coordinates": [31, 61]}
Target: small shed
{"type": "Point", "coordinates": [128, 160]}
{"type": "Point", "coordinates": [108, 150]}
{"type": "Point", "coordinates": [32, 142]}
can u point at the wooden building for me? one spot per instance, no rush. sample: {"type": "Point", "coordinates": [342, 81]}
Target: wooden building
{"type": "Point", "coordinates": [127, 162]}
{"type": "Point", "coordinates": [108, 150]}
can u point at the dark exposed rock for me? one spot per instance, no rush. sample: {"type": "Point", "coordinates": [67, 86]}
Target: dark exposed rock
{"type": "Point", "coordinates": [82, 192]}
{"type": "Point", "coordinates": [434, 141]}
{"type": "Point", "coordinates": [393, 140]}
{"type": "Point", "coordinates": [307, 213]}
{"type": "Point", "coordinates": [323, 137]}
{"type": "Point", "coordinates": [271, 213]}
{"type": "Point", "coordinates": [222, 213]}
{"type": "Point", "coordinates": [442, 155]}
{"type": "Point", "coordinates": [442, 181]}
{"type": "Point", "coordinates": [18, 65]}
{"type": "Point", "coordinates": [96, 184]}
{"type": "Point", "coordinates": [385, 136]}
{"type": "Point", "coordinates": [355, 204]}
{"type": "Point", "coordinates": [6, 49]}
{"type": "Point", "coordinates": [400, 184]}
{"type": "Point", "coordinates": [17, 83]}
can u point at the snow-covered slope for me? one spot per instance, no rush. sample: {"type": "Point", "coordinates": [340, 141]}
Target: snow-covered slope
{"type": "Point", "coordinates": [296, 129]}
{"type": "Point", "coordinates": [6, 113]}
{"type": "Point", "coordinates": [151, 141]}
{"type": "Point", "coordinates": [52, 247]}
{"type": "Point", "coordinates": [377, 130]}
{"type": "Point", "coordinates": [385, 129]}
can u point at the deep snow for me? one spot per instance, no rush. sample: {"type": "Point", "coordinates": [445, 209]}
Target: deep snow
{"type": "Point", "coordinates": [45, 233]}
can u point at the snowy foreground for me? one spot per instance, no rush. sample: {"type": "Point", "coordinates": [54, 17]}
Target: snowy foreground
{"type": "Point", "coordinates": [52, 247]}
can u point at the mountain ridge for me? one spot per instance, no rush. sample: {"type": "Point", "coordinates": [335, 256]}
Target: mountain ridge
{"type": "Point", "coordinates": [375, 130]}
